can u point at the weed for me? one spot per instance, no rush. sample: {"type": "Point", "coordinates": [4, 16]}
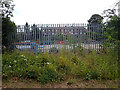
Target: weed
{"type": "Point", "coordinates": [56, 66]}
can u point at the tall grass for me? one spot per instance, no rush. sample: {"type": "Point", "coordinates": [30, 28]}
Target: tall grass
{"type": "Point", "coordinates": [56, 66]}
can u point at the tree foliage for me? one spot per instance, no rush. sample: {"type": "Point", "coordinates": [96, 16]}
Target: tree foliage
{"type": "Point", "coordinates": [95, 19]}
{"type": "Point", "coordinates": [112, 28]}
{"type": "Point", "coordinates": [6, 8]}
{"type": "Point", "coordinates": [8, 27]}
{"type": "Point", "coordinates": [94, 26]}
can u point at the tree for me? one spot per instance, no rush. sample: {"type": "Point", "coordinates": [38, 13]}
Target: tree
{"type": "Point", "coordinates": [112, 32]}
{"type": "Point", "coordinates": [95, 19]}
{"type": "Point", "coordinates": [94, 27]}
{"type": "Point", "coordinates": [111, 26]}
{"type": "Point", "coordinates": [8, 32]}
{"type": "Point", "coordinates": [8, 27]}
{"type": "Point", "coordinates": [6, 7]}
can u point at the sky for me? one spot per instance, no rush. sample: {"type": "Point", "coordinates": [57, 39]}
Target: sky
{"type": "Point", "coordinates": [58, 11]}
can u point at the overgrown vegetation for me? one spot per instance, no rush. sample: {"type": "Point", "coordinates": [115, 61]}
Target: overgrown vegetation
{"type": "Point", "coordinates": [51, 67]}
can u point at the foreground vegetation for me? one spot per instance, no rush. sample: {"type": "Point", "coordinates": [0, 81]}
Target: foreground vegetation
{"type": "Point", "coordinates": [55, 67]}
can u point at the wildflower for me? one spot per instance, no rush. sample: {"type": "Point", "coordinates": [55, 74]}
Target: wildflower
{"type": "Point", "coordinates": [48, 63]}
{"type": "Point", "coordinates": [22, 56]}
{"type": "Point", "coordinates": [25, 59]}
{"type": "Point", "coordinates": [9, 65]}
{"type": "Point", "coordinates": [15, 61]}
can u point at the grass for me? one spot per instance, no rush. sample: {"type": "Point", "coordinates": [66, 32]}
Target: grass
{"type": "Point", "coordinates": [56, 67]}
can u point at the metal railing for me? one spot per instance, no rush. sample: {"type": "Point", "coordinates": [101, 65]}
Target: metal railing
{"type": "Point", "coordinates": [54, 37]}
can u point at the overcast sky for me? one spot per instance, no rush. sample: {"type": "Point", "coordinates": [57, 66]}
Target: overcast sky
{"type": "Point", "coordinates": [58, 11]}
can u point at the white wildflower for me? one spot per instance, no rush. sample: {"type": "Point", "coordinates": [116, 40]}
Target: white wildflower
{"type": "Point", "coordinates": [48, 63]}
{"type": "Point", "coordinates": [22, 56]}
{"type": "Point", "coordinates": [15, 61]}
{"type": "Point", "coordinates": [25, 59]}
{"type": "Point", "coordinates": [9, 65]}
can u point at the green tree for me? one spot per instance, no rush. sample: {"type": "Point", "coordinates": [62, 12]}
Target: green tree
{"type": "Point", "coordinates": [95, 19]}
{"type": "Point", "coordinates": [112, 28]}
{"type": "Point", "coordinates": [8, 32]}
{"type": "Point", "coordinates": [94, 27]}
{"type": "Point", "coordinates": [8, 27]}
{"type": "Point", "coordinates": [112, 32]}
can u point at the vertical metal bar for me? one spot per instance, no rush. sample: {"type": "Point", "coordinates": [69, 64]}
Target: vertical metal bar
{"type": "Point", "coordinates": [93, 36]}
{"type": "Point", "coordinates": [62, 35]}
{"type": "Point", "coordinates": [58, 30]}
{"type": "Point", "coordinates": [70, 37]}
{"type": "Point", "coordinates": [50, 35]}
{"type": "Point", "coordinates": [35, 38]}
{"type": "Point", "coordinates": [79, 38]}
{"type": "Point", "coordinates": [28, 36]}
{"type": "Point", "coordinates": [53, 43]}
{"type": "Point", "coordinates": [59, 35]}
{"type": "Point", "coordinates": [66, 36]}
{"type": "Point", "coordinates": [84, 36]}
{"type": "Point", "coordinates": [39, 39]}
{"type": "Point", "coordinates": [88, 37]}
{"type": "Point", "coordinates": [24, 35]}
{"type": "Point", "coordinates": [43, 34]}
{"type": "Point", "coordinates": [31, 37]}
{"type": "Point", "coordinates": [97, 39]}
{"type": "Point", "coordinates": [96, 27]}
{"type": "Point", "coordinates": [103, 37]}
{"type": "Point", "coordinates": [54, 36]}
{"type": "Point", "coordinates": [44, 38]}
{"type": "Point", "coordinates": [47, 39]}
{"type": "Point", "coordinates": [74, 38]}
{"type": "Point", "coordinates": [90, 27]}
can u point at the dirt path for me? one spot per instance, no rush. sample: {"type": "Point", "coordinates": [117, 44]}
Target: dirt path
{"type": "Point", "coordinates": [76, 83]}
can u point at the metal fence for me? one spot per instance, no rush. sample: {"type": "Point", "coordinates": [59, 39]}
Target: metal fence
{"type": "Point", "coordinates": [54, 37]}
